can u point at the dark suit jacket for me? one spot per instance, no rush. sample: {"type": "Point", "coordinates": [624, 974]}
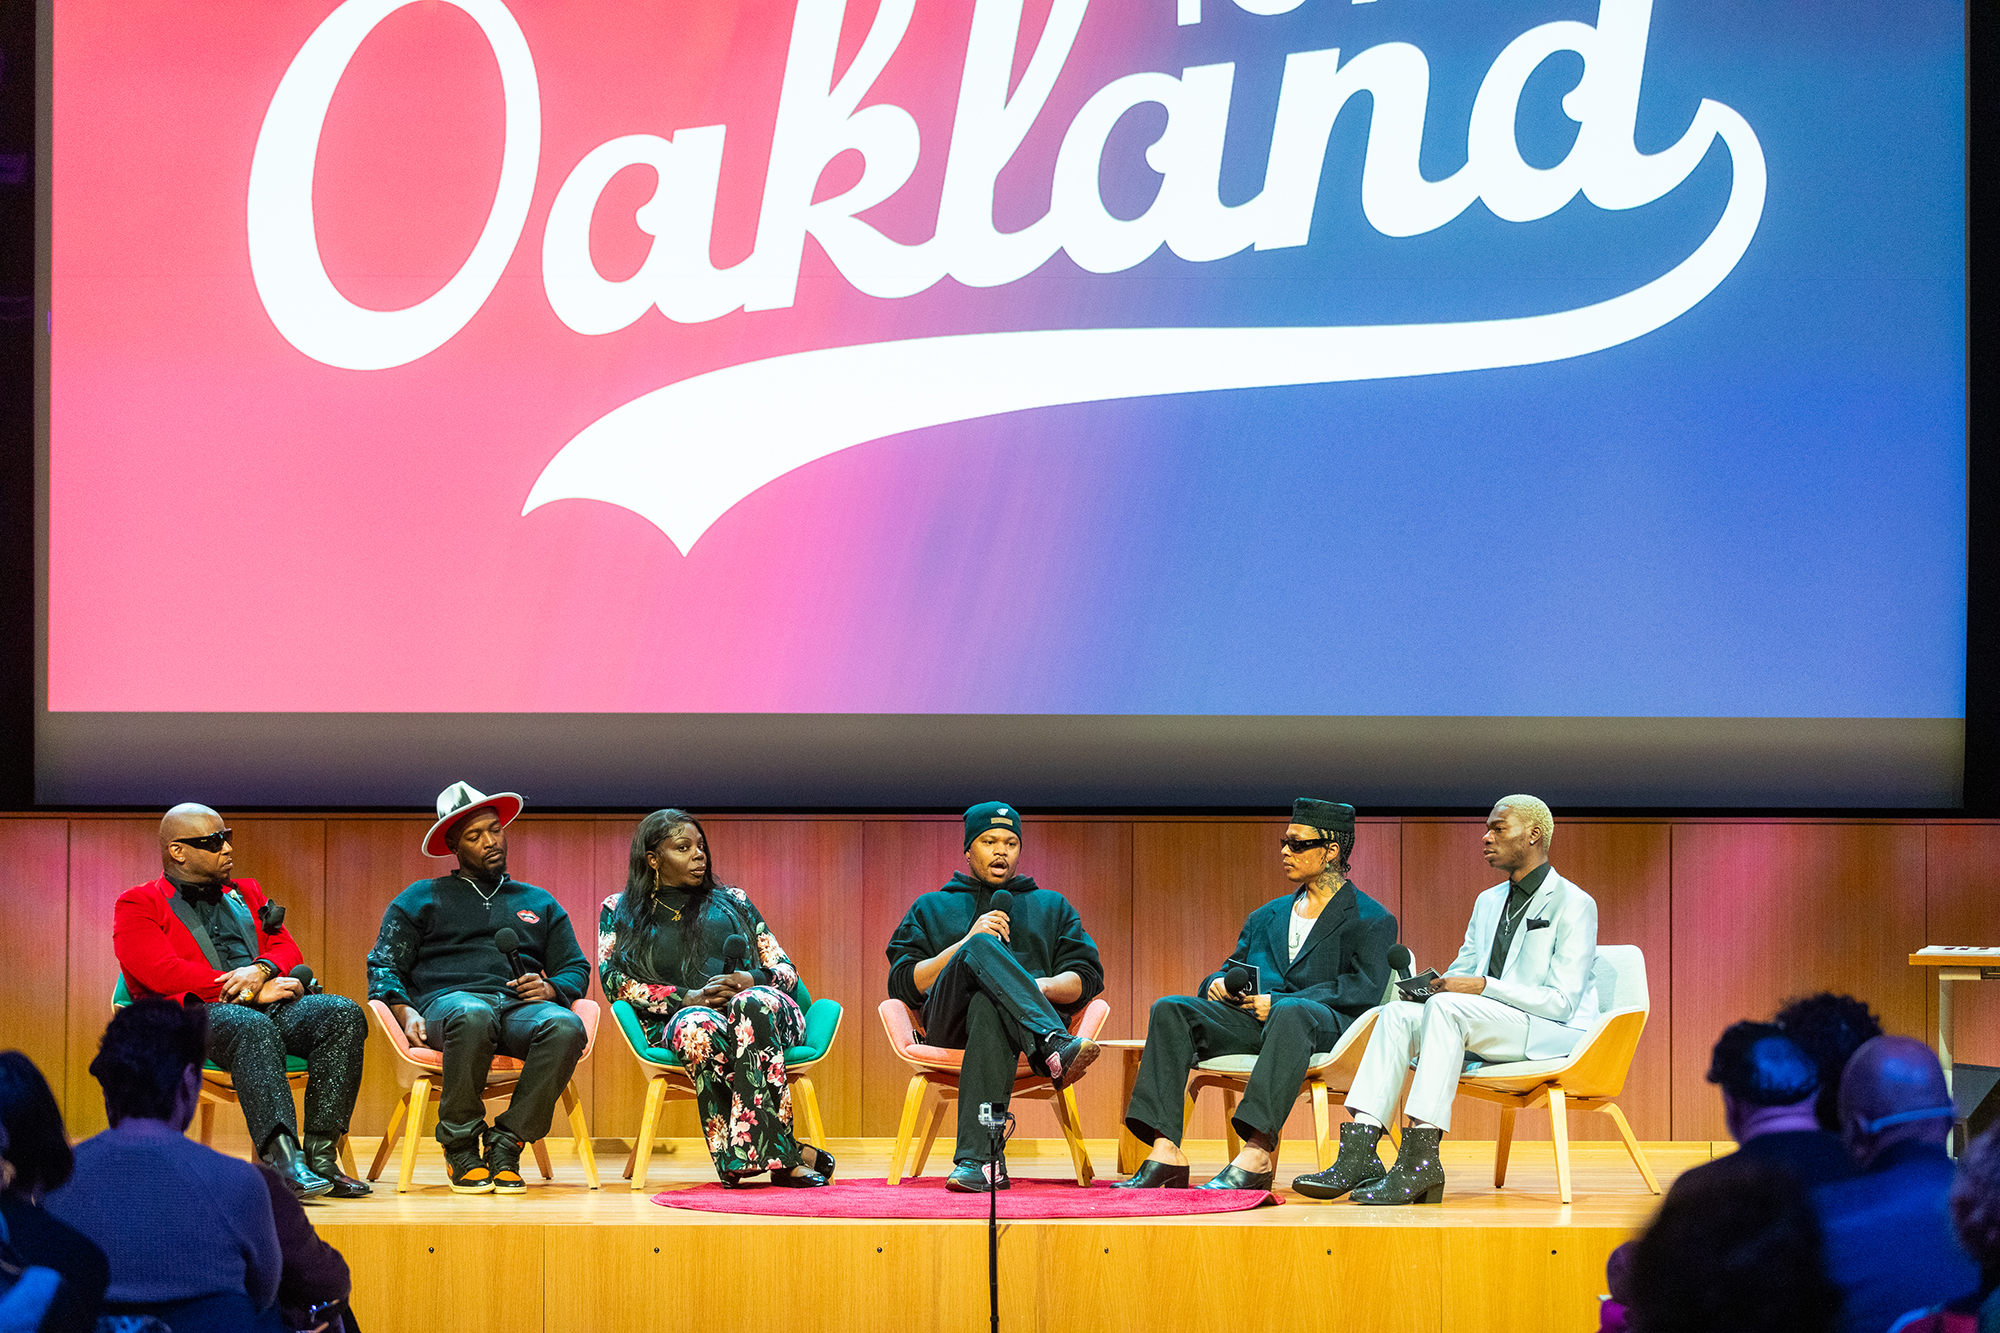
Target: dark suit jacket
{"type": "Point", "coordinates": [1344, 963]}
{"type": "Point", "coordinates": [1889, 1241]}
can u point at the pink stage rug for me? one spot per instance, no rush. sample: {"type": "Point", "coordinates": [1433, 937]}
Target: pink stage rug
{"type": "Point", "coordinates": [1028, 1200]}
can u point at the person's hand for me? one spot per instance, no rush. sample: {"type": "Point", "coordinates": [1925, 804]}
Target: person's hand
{"type": "Point", "coordinates": [413, 1025]}
{"type": "Point", "coordinates": [280, 988]}
{"type": "Point", "coordinates": [532, 987]}
{"type": "Point", "coordinates": [721, 990]}
{"type": "Point", "coordinates": [993, 923]}
{"type": "Point", "coordinates": [1260, 1005]}
{"type": "Point", "coordinates": [1217, 991]}
{"type": "Point", "coordinates": [1460, 985]}
{"type": "Point", "coordinates": [242, 984]}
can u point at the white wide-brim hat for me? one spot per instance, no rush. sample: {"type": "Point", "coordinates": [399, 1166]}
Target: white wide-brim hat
{"type": "Point", "coordinates": [460, 800]}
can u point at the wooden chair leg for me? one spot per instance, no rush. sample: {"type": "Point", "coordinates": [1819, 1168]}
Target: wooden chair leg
{"type": "Point", "coordinates": [207, 1116]}
{"type": "Point", "coordinates": [913, 1102]}
{"type": "Point", "coordinates": [389, 1133]}
{"type": "Point", "coordinates": [932, 1123]}
{"type": "Point", "coordinates": [1072, 1128]}
{"type": "Point", "coordinates": [1322, 1129]}
{"type": "Point", "coordinates": [579, 1129]}
{"type": "Point", "coordinates": [1559, 1129]}
{"type": "Point", "coordinates": [649, 1121]}
{"type": "Point", "coordinates": [419, 1098]}
{"type": "Point", "coordinates": [1632, 1146]}
{"type": "Point", "coordinates": [806, 1099]}
{"type": "Point", "coordinates": [1187, 1113]}
{"type": "Point", "coordinates": [1502, 1146]}
{"type": "Point", "coordinates": [1229, 1122]}
{"type": "Point", "coordinates": [542, 1159]}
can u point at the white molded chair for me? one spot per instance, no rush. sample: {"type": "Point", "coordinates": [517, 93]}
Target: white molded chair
{"type": "Point", "coordinates": [1589, 1079]}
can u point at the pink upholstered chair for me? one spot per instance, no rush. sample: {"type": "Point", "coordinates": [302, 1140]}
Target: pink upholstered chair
{"type": "Point", "coordinates": [421, 1072]}
{"type": "Point", "coordinates": [934, 1082]}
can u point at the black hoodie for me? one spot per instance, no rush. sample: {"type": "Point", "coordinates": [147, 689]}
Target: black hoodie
{"type": "Point", "coordinates": [1045, 933]}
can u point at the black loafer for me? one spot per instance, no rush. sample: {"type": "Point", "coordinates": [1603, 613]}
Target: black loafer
{"type": "Point", "coordinates": [821, 1160]}
{"type": "Point", "coordinates": [1153, 1175]}
{"type": "Point", "coordinates": [972, 1178]}
{"type": "Point", "coordinates": [801, 1179]}
{"type": "Point", "coordinates": [1234, 1177]}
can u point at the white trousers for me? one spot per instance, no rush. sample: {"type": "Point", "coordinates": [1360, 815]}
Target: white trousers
{"type": "Point", "coordinates": [1436, 1034]}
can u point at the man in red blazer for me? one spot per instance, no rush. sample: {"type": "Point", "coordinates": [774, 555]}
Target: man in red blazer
{"type": "Point", "coordinates": [195, 934]}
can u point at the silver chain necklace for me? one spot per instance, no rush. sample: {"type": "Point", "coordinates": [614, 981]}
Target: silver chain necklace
{"type": "Point", "coordinates": [485, 896]}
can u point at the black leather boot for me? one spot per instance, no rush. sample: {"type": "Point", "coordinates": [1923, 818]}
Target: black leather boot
{"type": "Point", "coordinates": [1417, 1176]}
{"type": "Point", "coordinates": [323, 1159]}
{"type": "Point", "coordinates": [282, 1154]}
{"type": "Point", "coordinates": [1356, 1166]}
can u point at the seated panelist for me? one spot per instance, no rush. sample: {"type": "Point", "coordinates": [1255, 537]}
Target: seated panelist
{"type": "Point", "coordinates": [443, 967]}
{"type": "Point", "coordinates": [995, 981]}
{"type": "Point", "coordinates": [1518, 990]}
{"type": "Point", "coordinates": [1321, 954]}
{"type": "Point", "coordinates": [196, 932]}
{"type": "Point", "coordinates": [709, 981]}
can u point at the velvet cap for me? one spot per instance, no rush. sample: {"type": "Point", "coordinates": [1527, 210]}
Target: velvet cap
{"type": "Point", "coordinates": [1333, 816]}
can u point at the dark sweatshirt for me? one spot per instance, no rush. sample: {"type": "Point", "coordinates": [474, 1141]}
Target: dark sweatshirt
{"type": "Point", "coordinates": [1045, 934]}
{"type": "Point", "coordinates": [437, 937]}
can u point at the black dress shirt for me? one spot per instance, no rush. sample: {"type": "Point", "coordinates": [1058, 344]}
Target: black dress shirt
{"type": "Point", "coordinates": [232, 935]}
{"type": "Point", "coordinates": [1518, 898]}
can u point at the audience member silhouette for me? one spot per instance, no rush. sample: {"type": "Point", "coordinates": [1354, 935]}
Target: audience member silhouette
{"type": "Point", "coordinates": [38, 1159]}
{"type": "Point", "coordinates": [1829, 1028]}
{"type": "Point", "coordinates": [1975, 1211]}
{"type": "Point", "coordinates": [188, 1231]}
{"type": "Point", "coordinates": [1889, 1238]}
{"type": "Point", "coordinates": [1735, 1246]}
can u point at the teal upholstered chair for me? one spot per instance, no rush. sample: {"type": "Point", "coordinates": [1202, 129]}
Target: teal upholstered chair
{"type": "Point", "coordinates": [218, 1089]}
{"type": "Point", "coordinates": [668, 1080]}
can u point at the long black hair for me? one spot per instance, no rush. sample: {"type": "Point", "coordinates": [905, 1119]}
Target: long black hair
{"type": "Point", "coordinates": [635, 924]}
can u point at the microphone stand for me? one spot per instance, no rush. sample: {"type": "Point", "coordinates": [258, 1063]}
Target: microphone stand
{"type": "Point", "coordinates": [996, 1131]}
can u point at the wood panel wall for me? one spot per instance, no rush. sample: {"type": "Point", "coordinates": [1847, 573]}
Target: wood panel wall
{"type": "Point", "coordinates": [1734, 917]}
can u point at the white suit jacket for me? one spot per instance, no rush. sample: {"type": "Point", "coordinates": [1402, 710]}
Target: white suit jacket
{"type": "Point", "coordinates": [1547, 973]}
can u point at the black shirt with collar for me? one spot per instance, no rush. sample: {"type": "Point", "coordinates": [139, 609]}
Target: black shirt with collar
{"type": "Point", "coordinates": [233, 936]}
{"type": "Point", "coordinates": [1518, 897]}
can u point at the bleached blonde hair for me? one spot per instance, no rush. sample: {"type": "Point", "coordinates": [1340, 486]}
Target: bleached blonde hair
{"type": "Point", "coordinates": [1536, 811]}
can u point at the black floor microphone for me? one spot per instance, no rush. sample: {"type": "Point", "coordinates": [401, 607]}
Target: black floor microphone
{"type": "Point", "coordinates": [507, 942]}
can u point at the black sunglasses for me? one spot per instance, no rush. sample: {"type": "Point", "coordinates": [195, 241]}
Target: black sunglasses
{"type": "Point", "coordinates": [210, 842]}
{"type": "Point", "coordinates": [1302, 844]}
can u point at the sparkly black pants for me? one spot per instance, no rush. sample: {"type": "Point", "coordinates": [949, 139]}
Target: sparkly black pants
{"type": "Point", "coordinates": [252, 1043]}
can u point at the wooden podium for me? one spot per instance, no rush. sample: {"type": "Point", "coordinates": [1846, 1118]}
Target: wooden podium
{"type": "Point", "coordinates": [1955, 962]}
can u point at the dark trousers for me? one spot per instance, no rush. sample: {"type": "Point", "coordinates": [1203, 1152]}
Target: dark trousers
{"type": "Point", "coordinates": [471, 1029]}
{"type": "Point", "coordinates": [986, 1004]}
{"type": "Point", "coordinates": [328, 1030]}
{"type": "Point", "coordinates": [1185, 1029]}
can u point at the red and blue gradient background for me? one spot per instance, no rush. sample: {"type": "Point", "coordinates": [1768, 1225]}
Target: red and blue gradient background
{"type": "Point", "coordinates": [1757, 511]}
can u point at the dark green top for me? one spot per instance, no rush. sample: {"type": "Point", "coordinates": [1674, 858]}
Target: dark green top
{"type": "Point", "coordinates": [437, 937]}
{"type": "Point", "coordinates": [1518, 897]}
{"type": "Point", "coordinates": [657, 986]}
{"type": "Point", "coordinates": [1044, 933]}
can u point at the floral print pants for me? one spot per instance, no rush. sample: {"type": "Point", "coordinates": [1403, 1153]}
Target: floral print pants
{"type": "Point", "coordinates": [736, 1057]}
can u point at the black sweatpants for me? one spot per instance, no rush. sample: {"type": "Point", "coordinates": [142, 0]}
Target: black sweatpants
{"type": "Point", "coordinates": [1186, 1029]}
{"type": "Point", "coordinates": [986, 1004]}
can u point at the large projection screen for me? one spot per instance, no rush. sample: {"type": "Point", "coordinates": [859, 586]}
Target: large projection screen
{"type": "Point", "coordinates": [878, 402]}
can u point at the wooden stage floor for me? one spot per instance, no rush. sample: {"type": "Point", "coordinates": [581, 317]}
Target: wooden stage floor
{"type": "Point", "coordinates": [565, 1259]}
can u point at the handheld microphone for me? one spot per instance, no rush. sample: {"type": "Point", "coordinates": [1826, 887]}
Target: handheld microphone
{"type": "Point", "coordinates": [304, 976]}
{"type": "Point", "coordinates": [272, 916]}
{"type": "Point", "coordinates": [1402, 961]}
{"type": "Point", "coordinates": [1003, 901]}
{"type": "Point", "coordinates": [1236, 982]}
{"type": "Point", "coordinates": [735, 953]}
{"type": "Point", "coordinates": [507, 942]}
